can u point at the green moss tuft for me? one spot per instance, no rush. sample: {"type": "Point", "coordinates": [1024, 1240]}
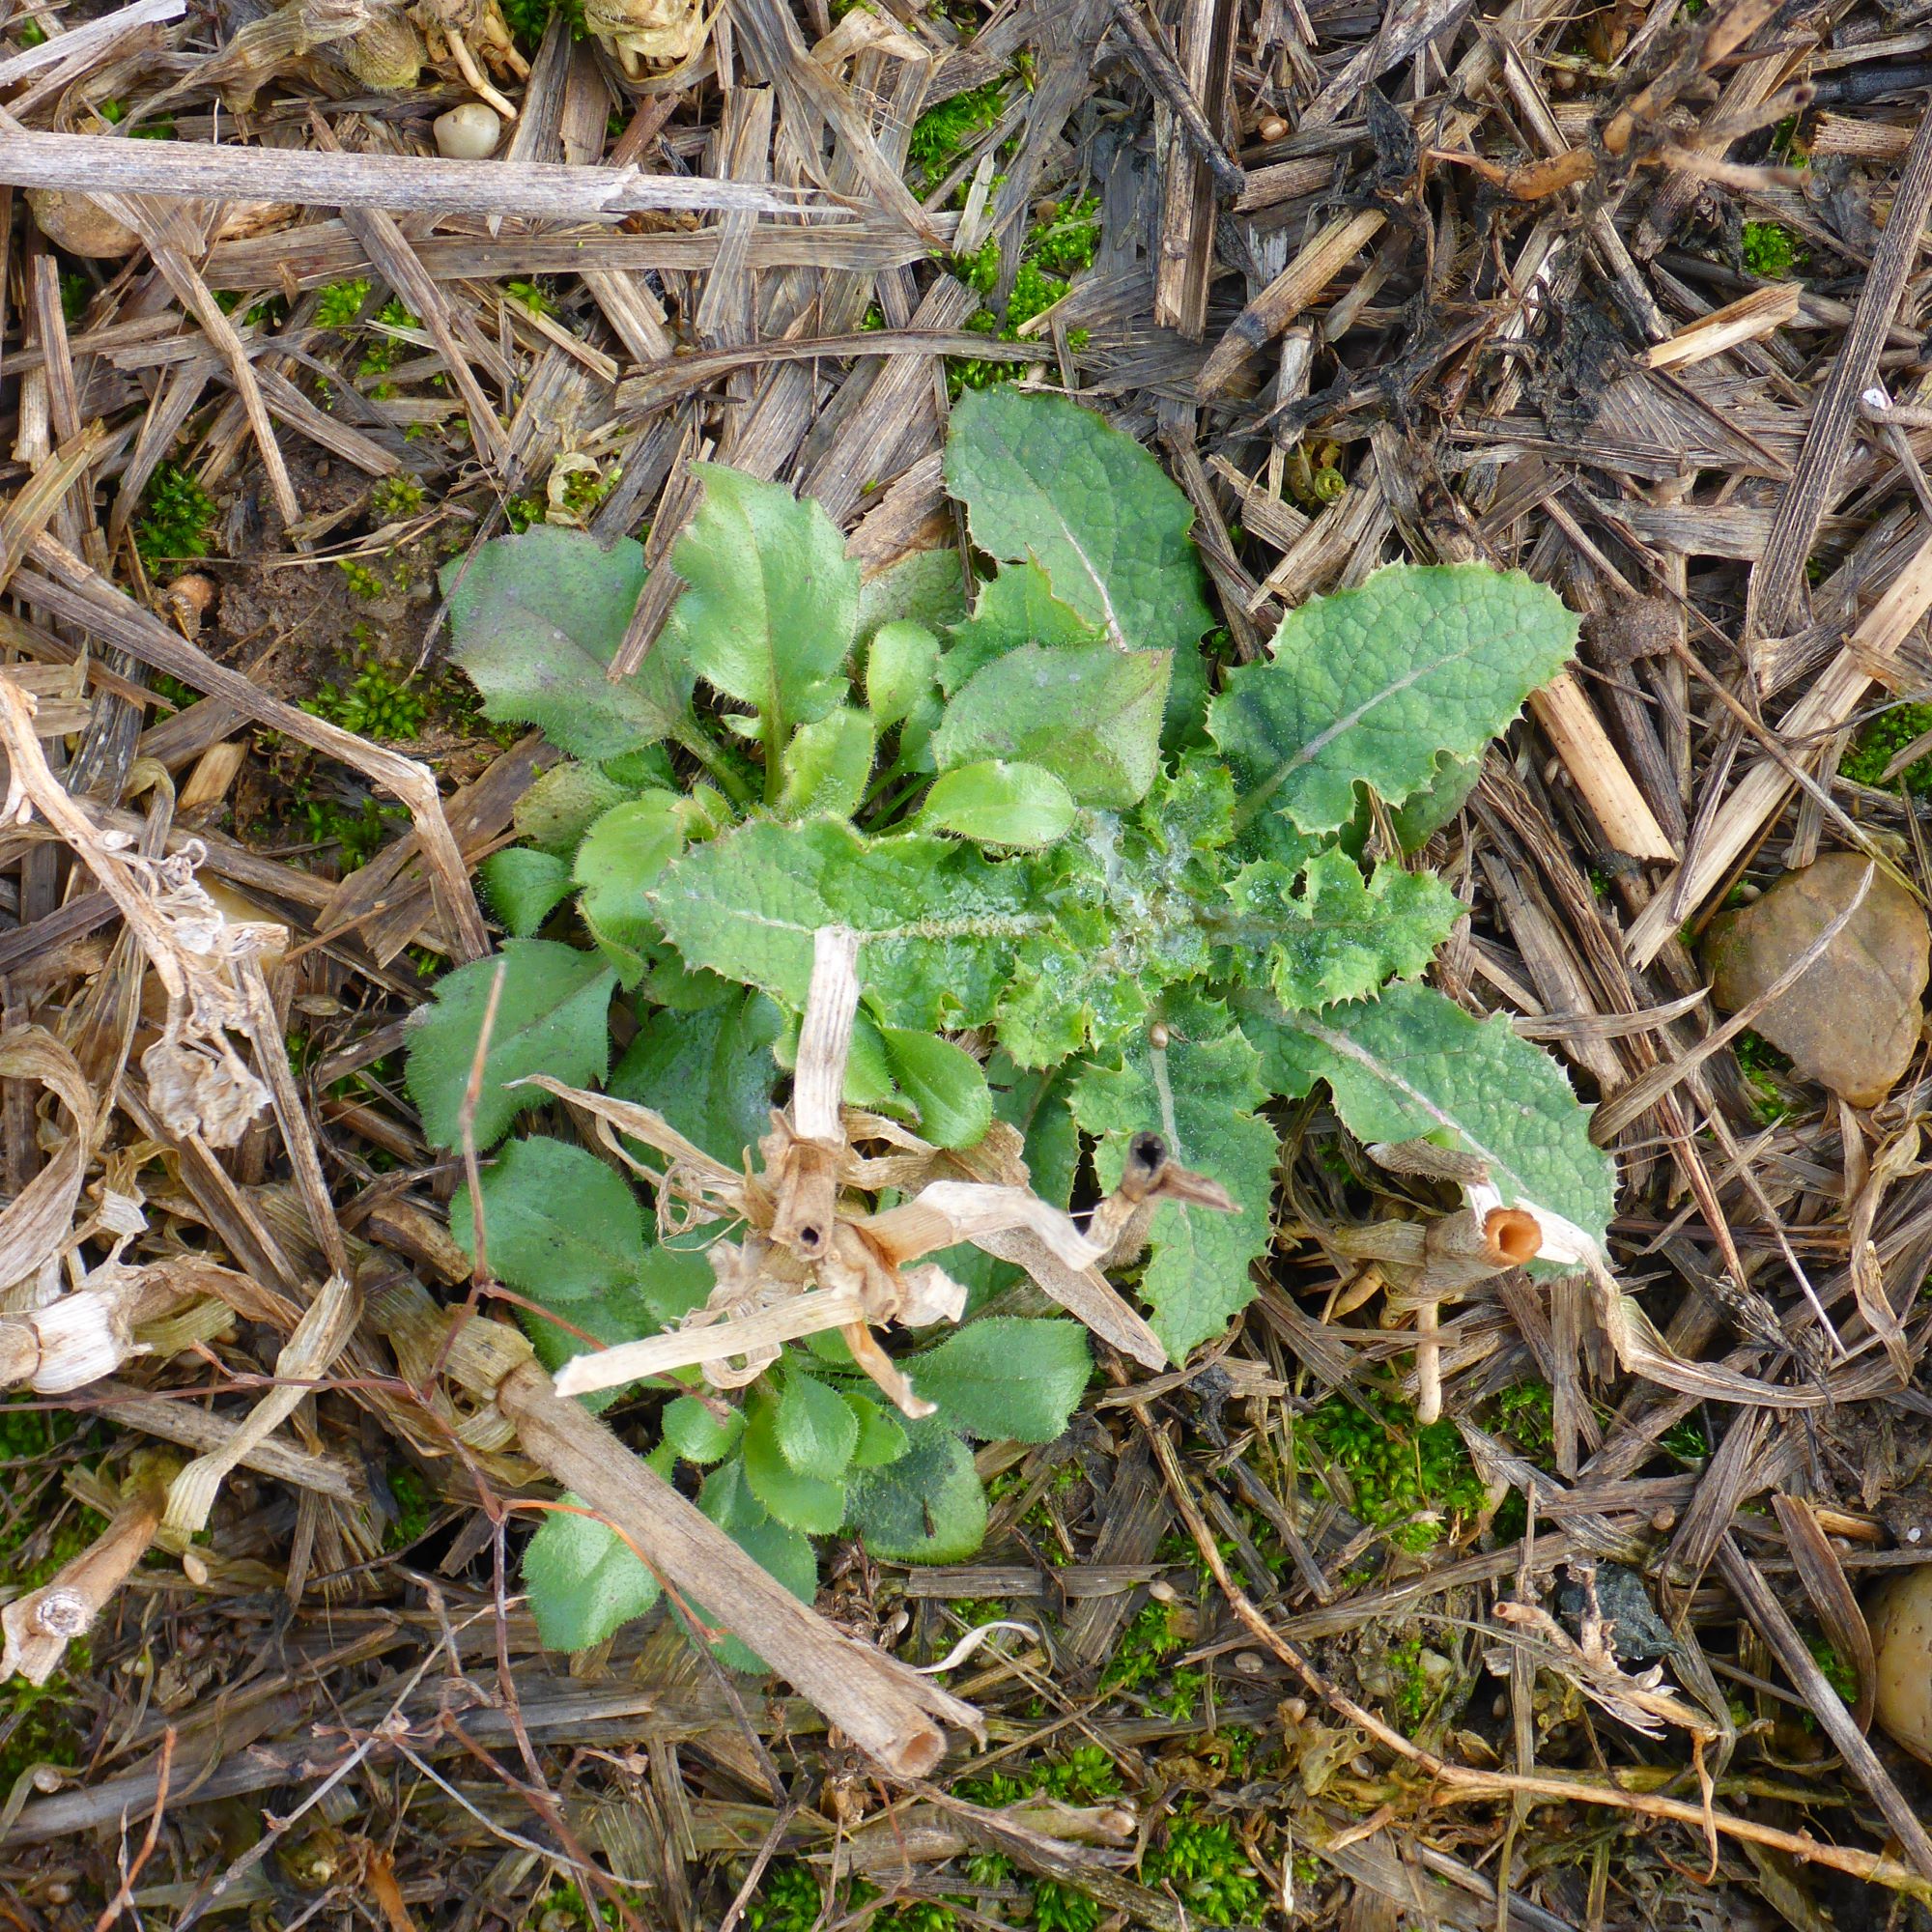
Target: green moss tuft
{"type": "Point", "coordinates": [1881, 739]}
{"type": "Point", "coordinates": [177, 517]}
{"type": "Point", "coordinates": [1419, 1478]}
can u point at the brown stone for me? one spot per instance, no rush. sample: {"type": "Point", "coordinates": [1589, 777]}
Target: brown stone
{"type": "Point", "coordinates": [1853, 1020]}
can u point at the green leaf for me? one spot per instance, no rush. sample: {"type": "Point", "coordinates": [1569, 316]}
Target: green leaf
{"type": "Point", "coordinates": [1035, 1101]}
{"type": "Point", "coordinates": [928, 1507]}
{"type": "Point", "coordinates": [1340, 936]}
{"type": "Point", "coordinates": [618, 1315]}
{"type": "Point", "coordinates": [925, 587]}
{"type": "Point", "coordinates": [560, 1225]}
{"type": "Point", "coordinates": [816, 1432]}
{"type": "Point", "coordinates": [621, 856]}
{"type": "Point", "coordinates": [695, 1433]}
{"type": "Point", "coordinates": [944, 1084]}
{"type": "Point", "coordinates": [881, 1438]}
{"type": "Point", "coordinates": [582, 1578]}
{"type": "Point", "coordinates": [1005, 1376]}
{"type": "Point", "coordinates": [674, 1281]}
{"type": "Point", "coordinates": [773, 602]}
{"type": "Point", "coordinates": [563, 805]}
{"type": "Point", "coordinates": [804, 1502]}
{"type": "Point", "coordinates": [1199, 1092]}
{"type": "Point", "coordinates": [709, 1073]}
{"type": "Point", "coordinates": [525, 887]}
{"type": "Point", "coordinates": [826, 765]}
{"type": "Point", "coordinates": [1090, 714]}
{"type": "Point", "coordinates": [552, 1017]}
{"type": "Point", "coordinates": [999, 804]}
{"type": "Point", "coordinates": [900, 669]}
{"type": "Point", "coordinates": [536, 620]}
{"type": "Point", "coordinates": [940, 922]}
{"type": "Point", "coordinates": [1015, 606]}
{"type": "Point", "coordinates": [1371, 685]}
{"type": "Point", "coordinates": [1412, 1062]}
{"type": "Point", "coordinates": [1043, 478]}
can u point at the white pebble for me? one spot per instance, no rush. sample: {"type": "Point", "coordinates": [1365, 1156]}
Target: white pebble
{"type": "Point", "coordinates": [467, 133]}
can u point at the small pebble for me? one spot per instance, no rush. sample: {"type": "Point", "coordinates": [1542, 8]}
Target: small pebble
{"type": "Point", "coordinates": [80, 226]}
{"type": "Point", "coordinates": [467, 133]}
{"type": "Point", "coordinates": [1249, 1664]}
{"type": "Point", "coordinates": [1272, 128]}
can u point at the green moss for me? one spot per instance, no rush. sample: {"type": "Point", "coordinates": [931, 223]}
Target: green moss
{"type": "Point", "coordinates": [415, 1503]}
{"type": "Point", "coordinates": [1761, 1063]}
{"type": "Point", "coordinates": [1205, 1864]}
{"type": "Point", "coordinates": [1418, 1477]}
{"type": "Point", "coordinates": [1062, 1908]}
{"type": "Point", "coordinates": [1060, 244]}
{"type": "Point", "coordinates": [1772, 250]}
{"type": "Point", "coordinates": [392, 499]}
{"type": "Point", "coordinates": [339, 304]}
{"type": "Point", "coordinates": [1881, 739]}
{"type": "Point", "coordinates": [1687, 1441]}
{"type": "Point", "coordinates": [942, 133]}
{"type": "Point", "coordinates": [1526, 1414]}
{"type": "Point", "coordinates": [176, 518]}
{"type": "Point", "coordinates": [375, 703]}
{"type": "Point", "coordinates": [788, 1900]}
{"type": "Point", "coordinates": [527, 19]}
{"type": "Point", "coordinates": [1143, 1649]}
{"type": "Point", "coordinates": [1084, 1776]}
{"type": "Point", "coordinates": [1838, 1673]}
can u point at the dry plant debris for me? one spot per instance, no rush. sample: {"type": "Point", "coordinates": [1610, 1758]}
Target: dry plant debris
{"type": "Point", "coordinates": [1328, 1619]}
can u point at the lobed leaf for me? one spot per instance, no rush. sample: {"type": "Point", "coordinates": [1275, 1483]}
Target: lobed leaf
{"type": "Point", "coordinates": [535, 620]}
{"type": "Point", "coordinates": [1412, 1062]}
{"type": "Point", "coordinates": [1340, 936]}
{"type": "Point", "coordinates": [553, 1016]}
{"type": "Point", "coordinates": [1372, 686]}
{"type": "Point", "coordinates": [1043, 478]}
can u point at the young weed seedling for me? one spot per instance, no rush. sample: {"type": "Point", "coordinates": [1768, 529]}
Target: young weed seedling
{"type": "Point", "coordinates": [1095, 897]}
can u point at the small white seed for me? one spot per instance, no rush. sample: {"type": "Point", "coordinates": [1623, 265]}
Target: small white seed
{"type": "Point", "coordinates": [467, 133]}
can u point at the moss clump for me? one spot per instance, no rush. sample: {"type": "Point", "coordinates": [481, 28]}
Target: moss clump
{"type": "Point", "coordinates": [1881, 739]}
{"type": "Point", "coordinates": [176, 518]}
{"type": "Point", "coordinates": [392, 499]}
{"type": "Point", "coordinates": [1058, 244]}
{"type": "Point", "coordinates": [1419, 1479]}
{"type": "Point", "coordinates": [1772, 250]}
{"type": "Point", "coordinates": [788, 1900]}
{"type": "Point", "coordinates": [1206, 1866]}
{"type": "Point", "coordinates": [339, 304]}
{"type": "Point", "coordinates": [942, 133]}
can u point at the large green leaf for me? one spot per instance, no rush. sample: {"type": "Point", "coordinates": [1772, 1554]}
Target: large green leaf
{"type": "Point", "coordinates": [1006, 1376]}
{"type": "Point", "coordinates": [583, 1580]}
{"type": "Point", "coordinates": [1338, 936]}
{"type": "Point", "coordinates": [827, 763]}
{"type": "Point", "coordinates": [943, 1084]}
{"type": "Point", "coordinates": [940, 922]}
{"type": "Point", "coordinates": [1043, 478]}
{"type": "Point", "coordinates": [616, 1316]}
{"type": "Point", "coordinates": [772, 604]}
{"type": "Point", "coordinates": [559, 1223]}
{"type": "Point", "coordinates": [927, 1507]}
{"type": "Point", "coordinates": [1088, 713]}
{"type": "Point", "coordinates": [552, 1017]}
{"type": "Point", "coordinates": [1411, 1063]}
{"type": "Point", "coordinates": [1199, 1092]}
{"type": "Point", "coordinates": [997, 802]}
{"type": "Point", "coordinates": [535, 620]}
{"type": "Point", "coordinates": [1371, 685]}
{"type": "Point", "coordinates": [709, 1073]}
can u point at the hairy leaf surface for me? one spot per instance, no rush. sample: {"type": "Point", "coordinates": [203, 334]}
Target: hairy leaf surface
{"type": "Point", "coordinates": [1043, 478]}
{"type": "Point", "coordinates": [535, 620]}
{"type": "Point", "coordinates": [1412, 1062]}
{"type": "Point", "coordinates": [1370, 686]}
{"type": "Point", "coordinates": [552, 1017]}
{"type": "Point", "coordinates": [558, 1223]}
